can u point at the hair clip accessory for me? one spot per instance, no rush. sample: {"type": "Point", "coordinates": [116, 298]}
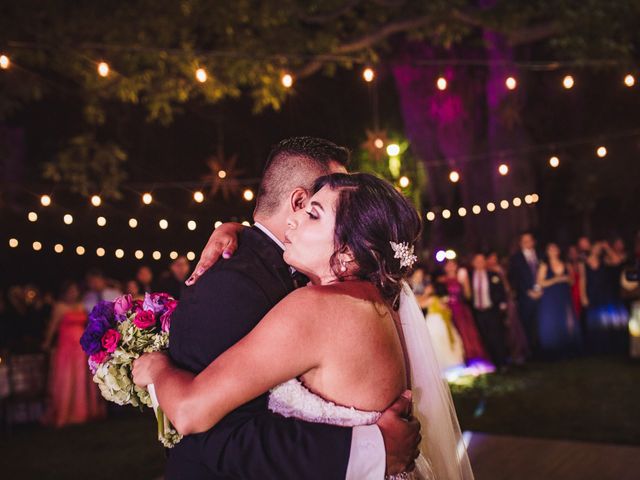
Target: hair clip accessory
{"type": "Point", "coordinates": [404, 252]}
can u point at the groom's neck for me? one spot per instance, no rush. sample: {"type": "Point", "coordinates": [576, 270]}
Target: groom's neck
{"type": "Point", "coordinates": [276, 224]}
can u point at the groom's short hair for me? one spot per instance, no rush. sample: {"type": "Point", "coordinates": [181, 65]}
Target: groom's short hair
{"type": "Point", "coordinates": [293, 163]}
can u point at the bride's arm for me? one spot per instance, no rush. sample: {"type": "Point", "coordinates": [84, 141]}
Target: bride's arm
{"type": "Point", "coordinates": [285, 344]}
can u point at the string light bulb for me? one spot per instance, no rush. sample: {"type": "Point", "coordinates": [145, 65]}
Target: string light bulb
{"type": "Point", "coordinates": [287, 80]}
{"type": "Point", "coordinates": [191, 256]}
{"type": "Point", "coordinates": [58, 248]}
{"type": "Point", "coordinates": [217, 224]}
{"type": "Point", "coordinates": [96, 201]}
{"type": "Point", "coordinates": [629, 80]}
{"type": "Point", "coordinates": [454, 176]}
{"type": "Point", "coordinates": [441, 83]}
{"type": "Point", "coordinates": [393, 150]}
{"type": "Point", "coordinates": [191, 225]}
{"type": "Point", "coordinates": [133, 223]}
{"type": "Point", "coordinates": [431, 216]}
{"type": "Point", "coordinates": [517, 201]}
{"type": "Point", "coordinates": [4, 62]}
{"type": "Point", "coordinates": [248, 195]}
{"type": "Point", "coordinates": [147, 198]}
{"type": "Point", "coordinates": [503, 169]}
{"type": "Point", "coordinates": [567, 82]}
{"type": "Point", "coordinates": [198, 196]}
{"type": "Point", "coordinates": [528, 199]}
{"type": "Point", "coordinates": [32, 216]}
{"type": "Point", "coordinates": [378, 143]}
{"type": "Point", "coordinates": [450, 254]}
{"type": "Point", "coordinates": [68, 219]}
{"type": "Point", "coordinates": [246, 224]}
{"type": "Point", "coordinates": [201, 75]}
{"type": "Point", "coordinates": [13, 242]}
{"type": "Point", "coordinates": [101, 221]}
{"type": "Point", "coordinates": [173, 255]}
{"type": "Point", "coordinates": [222, 174]}
{"type": "Point", "coordinates": [37, 246]}
{"type": "Point", "coordinates": [476, 209]}
{"type": "Point", "coordinates": [511, 83]}
{"type": "Point", "coordinates": [163, 224]}
{"type": "Point", "coordinates": [156, 255]}
{"type": "Point", "coordinates": [554, 162]}
{"type": "Point", "coordinates": [601, 151]}
{"type": "Point", "coordinates": [139, 254]}
{"type": "Point", "coordinates": [119, 253]}
{"type": "Point", "coordinates": [504, 204]}
{"type": "Point", "coordinates": [404, 182]}
{"type": "Point", "coordinates": [80, 250]}
{"type": "Point", "coordinates": [368, 74]}
{"type": "Point", "coordinates": [103, 69]}
{"type": "Point", "coordinates": [45, 200]}
{"type": "Point", "coordinates": [446, 213]}
{"type": "Point", "coordinates": [462, 211]}
{"type": "Point", "coordinates": [535, 197]}
{"type": "Point", "coordinates": [491, 206]}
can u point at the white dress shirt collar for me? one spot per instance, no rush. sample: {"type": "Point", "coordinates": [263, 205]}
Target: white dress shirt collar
{"type": "Point", "coordinates": [269, 234]}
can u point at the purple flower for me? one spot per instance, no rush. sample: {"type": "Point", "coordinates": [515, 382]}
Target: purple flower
{"type": "Point", "coordinates": [165, 319]}
{"type": "Point", "coordinates": [155, 302]}
{"type": "Point", "coordinates": [121, 306]}
{"type": "Point", "coordinates": [101, 319]}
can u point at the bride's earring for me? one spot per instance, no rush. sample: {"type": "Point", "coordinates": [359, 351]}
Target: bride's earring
{"type": "Point", "coordinates": [343, 266]}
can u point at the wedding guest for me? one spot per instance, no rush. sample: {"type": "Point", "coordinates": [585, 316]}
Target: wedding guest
{"type": "Point", "coordinates": [607, 318]}
{"type": "Point", "coordinates": [445, 338]}
{"type": "Point", "coordinates": [144, 276]}
{"type": "Point", "coordinates": [98, 290]}
{"type": "Point", "coordinates": [132, 288]}
{"type": "Point", "coordinates": [523, 268]}
{"type": "Point", "coordinates": [578, 286]}
{"type": "Point", "coordinates": [172, 282]}
{"type": "Point", "coordinates": [584, 248]}
{"type": "Point", "coordinates": [488, 299]}
{"type": "Point", "coordinates": [558, 328]}
{"type": "Point", "coordinates": [516, 339]}
{"type": "Point", "coordinates": [456, 283]}
{"type": "Point", "coordinates": [418, 282]}
{"type": "Point", "coordinates": [74, 398]}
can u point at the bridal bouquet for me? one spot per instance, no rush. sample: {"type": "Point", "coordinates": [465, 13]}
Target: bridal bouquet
{"type": "Point", "coordinates": [117, 333]}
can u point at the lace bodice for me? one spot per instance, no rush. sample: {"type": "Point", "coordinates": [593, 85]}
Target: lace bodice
{"type": "Point", "coordinates": [293, 399]}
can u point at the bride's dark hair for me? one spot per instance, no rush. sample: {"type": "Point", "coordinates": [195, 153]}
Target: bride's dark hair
{"type": "Point", "coordinates": [370, 214]}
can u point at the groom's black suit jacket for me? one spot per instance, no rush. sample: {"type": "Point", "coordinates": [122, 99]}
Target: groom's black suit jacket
{"type": "Point", "coordinates": [251, 442]}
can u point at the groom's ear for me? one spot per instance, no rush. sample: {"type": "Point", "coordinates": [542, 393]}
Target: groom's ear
{"type": "Point", "coordinates": [298, 199]}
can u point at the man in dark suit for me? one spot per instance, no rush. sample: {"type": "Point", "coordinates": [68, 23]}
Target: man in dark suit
{"type": "Point", "coordinates": [225, 304]}
{"type": "Point", "coordinates": [523, 269]}
{"type": "Point", "coordinates": [488, 299]}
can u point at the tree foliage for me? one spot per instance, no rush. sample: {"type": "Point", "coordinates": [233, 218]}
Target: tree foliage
{"type": "Point", "coordinates": [154, 47]}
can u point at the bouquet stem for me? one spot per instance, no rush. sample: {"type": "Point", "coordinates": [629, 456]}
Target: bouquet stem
{"type": "Point", "coordinates": [166, 433]}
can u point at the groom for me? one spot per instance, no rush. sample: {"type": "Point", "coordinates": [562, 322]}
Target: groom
{"type": "Point", "coordinates": [225, 304]}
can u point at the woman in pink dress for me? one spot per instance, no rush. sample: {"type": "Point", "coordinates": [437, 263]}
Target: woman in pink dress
{"type": "Point", "coordinates": [456, 282]}
{"type": "Point", "coordinates": [74, 398]}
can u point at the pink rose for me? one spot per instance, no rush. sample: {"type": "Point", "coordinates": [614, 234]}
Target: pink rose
{"type": "Point", "coordinates": [144, 319]}
{"type": "Point", "coordinates": [155, 301]}
{"type": "Point", "coordinates": [110, 340]}
{"type": "Point", "coordinates": [165, 321]}
{"type": "Point", "coordinates": [97, 359]}
{"type": "Point", "coordinates": [121, 306]}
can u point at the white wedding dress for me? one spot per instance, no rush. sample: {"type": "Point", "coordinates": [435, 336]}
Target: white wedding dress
{"type": "Point", "coordinates": [445, 456]}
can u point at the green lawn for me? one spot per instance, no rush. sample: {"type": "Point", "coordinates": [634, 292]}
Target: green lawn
{"type": "Point", "coordinates": [593, 399]}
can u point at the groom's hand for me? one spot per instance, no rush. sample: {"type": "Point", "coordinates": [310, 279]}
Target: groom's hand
{"type": "Point", "coordinates": [401, 435]}
{"type": "Point", "coordinates": [223, 242]}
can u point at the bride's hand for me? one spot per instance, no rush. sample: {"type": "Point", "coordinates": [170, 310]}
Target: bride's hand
{"type": "Point", "coordinates": [147, 367]}
{"type": "Point", "coordinates": [223, 242]}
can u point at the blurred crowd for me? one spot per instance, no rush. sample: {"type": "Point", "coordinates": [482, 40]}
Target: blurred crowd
{"type": "Point", "coordinates": [43, 371]}
{"type": "Point", "coordinates": [541, 304]}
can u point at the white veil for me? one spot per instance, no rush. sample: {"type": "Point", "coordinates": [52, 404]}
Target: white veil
{"type": "Point", "coordinates": [442, 445]}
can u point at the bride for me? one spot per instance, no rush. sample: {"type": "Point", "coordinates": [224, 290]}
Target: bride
{"type": "Point", "coordinates": [342, 349]}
